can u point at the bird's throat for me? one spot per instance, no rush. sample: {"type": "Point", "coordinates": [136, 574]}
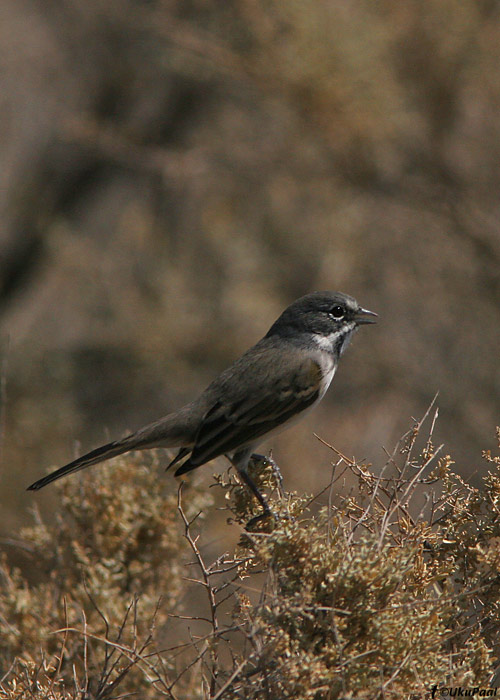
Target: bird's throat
{"type": "Point", "coordinates": [336, 342]}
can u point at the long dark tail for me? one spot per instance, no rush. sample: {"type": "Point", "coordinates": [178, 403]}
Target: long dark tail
{"type": "Point", "coordinates": [112, 449]}
{"type": "Point", "coordinates": [174, 430]}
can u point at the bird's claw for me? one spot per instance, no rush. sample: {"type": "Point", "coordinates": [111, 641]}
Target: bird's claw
{"type": "Point", "coordinates": [258, 518]}
{"type": "Point", "coordinates": [269, 461]}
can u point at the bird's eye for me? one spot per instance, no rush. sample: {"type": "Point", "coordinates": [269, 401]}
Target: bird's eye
{"type": "Point", "coordinates": [337, 312]}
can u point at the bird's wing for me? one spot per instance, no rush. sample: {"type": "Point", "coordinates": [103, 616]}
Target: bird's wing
{"type": "Point", "coordinates": [245, 417]}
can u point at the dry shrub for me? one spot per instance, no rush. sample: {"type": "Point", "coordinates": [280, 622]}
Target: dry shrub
{"type": "Point", "coordinates": [107, 571]}
{"type": "Point", "coordinates": [383, 595]}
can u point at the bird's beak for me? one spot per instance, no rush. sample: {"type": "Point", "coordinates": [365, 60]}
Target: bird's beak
{"type": "Point", "coordinates": [362, 314]}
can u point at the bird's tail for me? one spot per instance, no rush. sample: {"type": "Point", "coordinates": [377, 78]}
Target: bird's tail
{"type": "Point", "coordinates": [112, 449]}
{"type": "Point", "coordinates": [174, 430]}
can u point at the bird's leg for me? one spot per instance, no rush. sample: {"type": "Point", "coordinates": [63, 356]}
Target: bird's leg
{"type": "Point", "coordinates": [240, 461]}
{"type": "Point", "coordinates": [253, 488]}
{"type": "Point", "coordinates": [263, 459]}
{"type": "Point", "coordinates": [276, 470]}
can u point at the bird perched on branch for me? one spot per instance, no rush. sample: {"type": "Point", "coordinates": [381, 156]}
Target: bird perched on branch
{"type": "Point", "coordinates": [266, 390]}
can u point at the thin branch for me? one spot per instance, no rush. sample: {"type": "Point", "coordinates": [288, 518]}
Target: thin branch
{"type": "Point", "coordinates": [207, 583]}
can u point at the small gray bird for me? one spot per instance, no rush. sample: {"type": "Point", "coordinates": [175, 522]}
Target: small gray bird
{"type": "Point", "coordinates": [267, 389]}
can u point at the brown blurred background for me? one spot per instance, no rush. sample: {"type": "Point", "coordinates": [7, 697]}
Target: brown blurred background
{"type": "Point", "coordinates": [173, 173]}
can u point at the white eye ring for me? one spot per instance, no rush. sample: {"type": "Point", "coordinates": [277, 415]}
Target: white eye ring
{"type": "Point", "coordinates": [337, 313]}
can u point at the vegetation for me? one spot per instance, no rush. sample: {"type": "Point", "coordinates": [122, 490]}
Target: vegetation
{"type": "Point", "coordinates": [176, 172]}
{"type": "Point", "coordinates": [173, 174]}
{"type": "Point", "coordinates": [383, 585]}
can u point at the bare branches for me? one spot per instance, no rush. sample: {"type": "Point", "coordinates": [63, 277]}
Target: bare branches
{"type": "Point", "coordinates": [378, 593]}
{"type": "Point", "coordinates": [208, 573]}
{"type": "Point", "coordinates": [391, 490]}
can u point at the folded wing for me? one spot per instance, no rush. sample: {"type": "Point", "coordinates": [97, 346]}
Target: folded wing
{"type": "Point", "coordinates": [244, 419]}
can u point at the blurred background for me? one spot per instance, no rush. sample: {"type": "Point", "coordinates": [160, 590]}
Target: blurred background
{"type": "Point", "coordinates": [173, 173]}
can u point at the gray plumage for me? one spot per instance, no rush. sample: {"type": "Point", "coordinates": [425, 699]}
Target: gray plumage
{"type": "Point", "coordinates": [275, 382]}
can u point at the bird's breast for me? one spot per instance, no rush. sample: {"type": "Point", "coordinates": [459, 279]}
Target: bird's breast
{"type": "Point", "coordinates": [328, 368]}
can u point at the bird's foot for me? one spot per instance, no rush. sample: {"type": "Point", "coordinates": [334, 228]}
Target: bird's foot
{"type": "Point", "coordinates": [265, 515]}
{"type": "Point", "coordinates": [268, 515]}
{"type": "Point", "coordinates": [269, 461]}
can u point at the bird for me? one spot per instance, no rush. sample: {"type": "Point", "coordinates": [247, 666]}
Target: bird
{"type": "Point", "coordinates": [276, 382]}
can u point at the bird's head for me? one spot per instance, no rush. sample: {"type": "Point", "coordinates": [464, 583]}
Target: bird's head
{"type": "Point", "coordinates": [326, 319]}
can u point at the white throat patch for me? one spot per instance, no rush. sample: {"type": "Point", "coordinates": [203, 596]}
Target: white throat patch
{"type": "Point", "coordinates": [328, 342]}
